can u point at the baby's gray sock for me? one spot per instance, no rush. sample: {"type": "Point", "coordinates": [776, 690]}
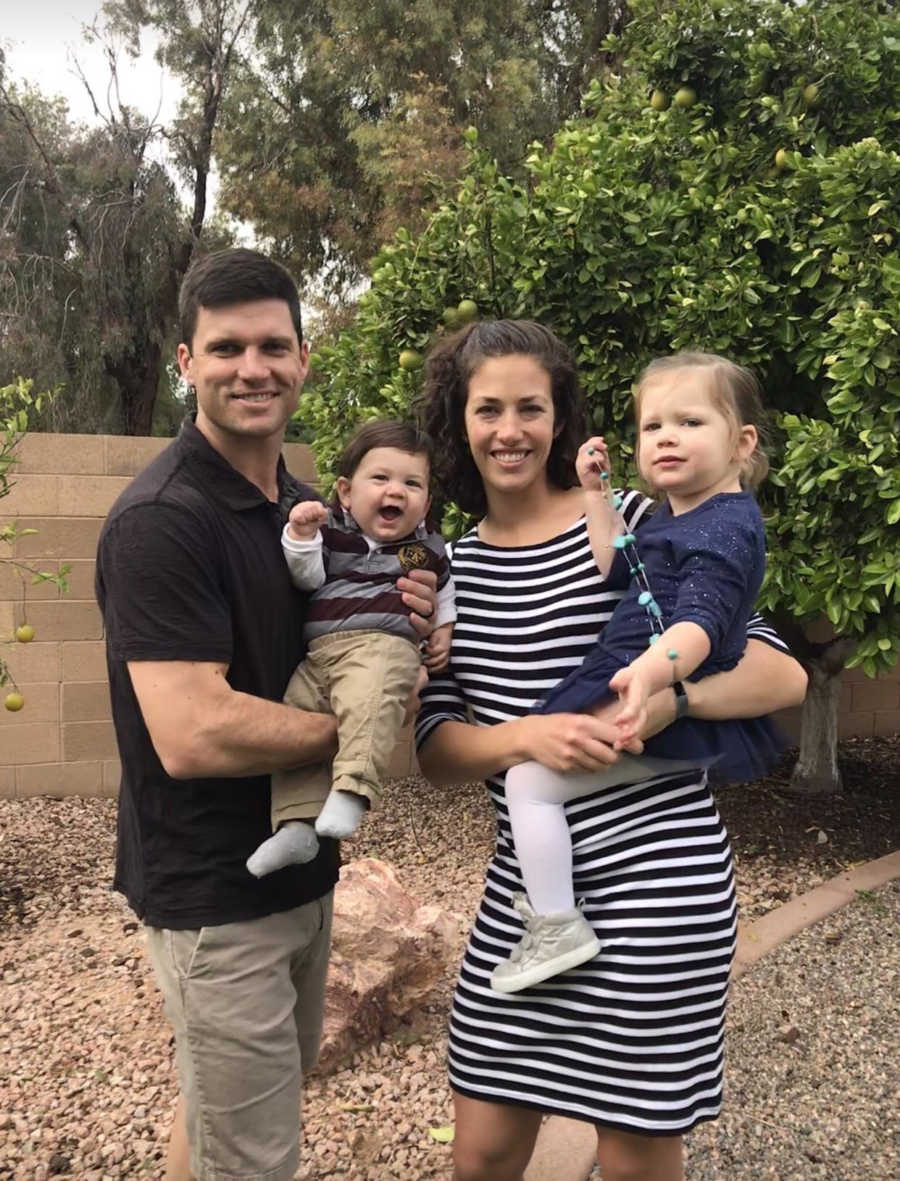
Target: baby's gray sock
{"type": "Point", "coordinates": [341, 814]}
{"type": "Point", "coordinates": [293, 844]}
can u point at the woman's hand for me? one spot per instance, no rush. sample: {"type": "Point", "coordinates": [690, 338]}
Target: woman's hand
{"type": "Point", "coordinates": [591, 462]}
{"type": "Point", "coordinates": [571, 742]}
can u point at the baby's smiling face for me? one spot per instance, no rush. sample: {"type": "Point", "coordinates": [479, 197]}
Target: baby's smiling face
{"type": "Point", "coordinates": [387, 495]}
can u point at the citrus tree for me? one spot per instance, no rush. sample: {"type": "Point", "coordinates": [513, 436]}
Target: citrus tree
{"type": "Point", "coordinates": [732, 188]}
{"type": "Point", "coordinates": [16, 401]}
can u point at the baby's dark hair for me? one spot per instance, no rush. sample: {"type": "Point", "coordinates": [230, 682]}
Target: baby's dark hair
{"type": "Point", "coordinates": [441, 407]}
{"type": "Point", "coordinates": [735, 391]}
{"type": "Point", "coordinates": [402, 436]}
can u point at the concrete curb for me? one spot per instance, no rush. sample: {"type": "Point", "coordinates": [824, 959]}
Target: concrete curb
{"type": "Point", "coordinates": [776, 927]}
{"type": "Point", "coordinates": [565, 1147]}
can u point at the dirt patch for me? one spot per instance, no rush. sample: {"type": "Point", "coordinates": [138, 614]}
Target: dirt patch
{"type": "Point", "coordinates": [785, 844]}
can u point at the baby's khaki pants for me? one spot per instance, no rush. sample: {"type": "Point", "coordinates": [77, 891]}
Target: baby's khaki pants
{"type": "Point", "coordinates": [364, 678]}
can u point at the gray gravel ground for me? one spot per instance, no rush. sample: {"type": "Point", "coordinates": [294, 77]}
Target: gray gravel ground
{"type": "Point", "coordinates": [813, 1071]}
{"type": "Point", "coordinates": [87, 1085]}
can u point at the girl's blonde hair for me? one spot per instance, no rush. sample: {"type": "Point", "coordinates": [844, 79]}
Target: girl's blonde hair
{"type": "Point", "coordinates": [735, 392]}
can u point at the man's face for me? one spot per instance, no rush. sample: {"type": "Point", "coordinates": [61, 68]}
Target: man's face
{"type": "Point", "coordinates": [247, 367]}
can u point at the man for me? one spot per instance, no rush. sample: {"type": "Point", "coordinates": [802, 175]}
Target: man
{"type": "Point", "coordinates": [204, 629]}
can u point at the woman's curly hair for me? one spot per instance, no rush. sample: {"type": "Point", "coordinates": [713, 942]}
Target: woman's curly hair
{"type": "Point", "coordinates": [441, 406]}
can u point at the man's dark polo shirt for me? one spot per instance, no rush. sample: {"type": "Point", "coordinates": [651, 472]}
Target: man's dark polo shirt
{"type": "Point", "coordinates": [190, 567]}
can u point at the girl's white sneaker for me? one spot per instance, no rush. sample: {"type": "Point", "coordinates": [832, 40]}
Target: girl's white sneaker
{"type": "Point", "coordinates": [552, 943]}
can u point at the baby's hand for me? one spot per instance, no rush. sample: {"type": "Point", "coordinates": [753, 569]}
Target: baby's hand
{"type": "Point", "coordinates": [437, 648]}
{"type": "Point", "coordinates": [634, 693]}
{"type": "Point", "coordinates": [305, 518]}
{"type": "Point", "coordinates": [592, 460]}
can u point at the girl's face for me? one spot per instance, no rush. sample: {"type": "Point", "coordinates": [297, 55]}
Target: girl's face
{"type": "Point", "coordinates": [688, 449]}
{"type": "Point", "coordinates": [509, 420]}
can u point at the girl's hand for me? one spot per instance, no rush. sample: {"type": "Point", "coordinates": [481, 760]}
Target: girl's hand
{"type": "Point", "coordinates": [437, 648]}
{"type": "Point", "coordinates": [634, 693]}
{"type": "Point", "coordinates": [305, 518]}
{"type": "Point", "coordinates": [593, 459]}
{"type": "Point", "coordinates": [571, 742]}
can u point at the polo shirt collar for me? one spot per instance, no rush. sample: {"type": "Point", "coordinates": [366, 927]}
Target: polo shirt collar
{"type": "Point", "coordinates": [220, 478]}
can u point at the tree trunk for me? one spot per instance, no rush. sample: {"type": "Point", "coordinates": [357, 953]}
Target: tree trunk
{"type": "Point", "coordinates": [138, 381]}
{"type": "Point", "coordinates": [816, 772]}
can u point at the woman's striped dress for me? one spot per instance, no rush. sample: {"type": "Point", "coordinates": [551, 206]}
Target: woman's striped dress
{"type": "Point", "coordinates": [632, 1039]}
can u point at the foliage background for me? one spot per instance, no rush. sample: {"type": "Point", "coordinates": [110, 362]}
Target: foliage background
{"type": "Point", "coordinates": [759, 221]}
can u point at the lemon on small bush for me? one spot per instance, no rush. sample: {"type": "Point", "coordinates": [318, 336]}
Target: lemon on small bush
{"type": "Point", "coordinates": [14, 701]}
{"type": "Point", "coordinates": [25, 633]}
{"type": "Point", "coordinates": [410, 359]}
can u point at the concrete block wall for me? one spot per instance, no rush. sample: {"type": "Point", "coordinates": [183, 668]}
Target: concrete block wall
{"type": "Point", "coordinates": [62, 742]}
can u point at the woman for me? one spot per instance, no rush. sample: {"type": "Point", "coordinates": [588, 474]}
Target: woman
{"type": "Point", "coordinates": [631, 1041]}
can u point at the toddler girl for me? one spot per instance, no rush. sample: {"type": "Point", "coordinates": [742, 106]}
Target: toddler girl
{"type": "Point", "coordinates": [693, 586]}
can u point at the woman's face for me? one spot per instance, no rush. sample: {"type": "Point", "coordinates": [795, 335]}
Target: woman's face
{"type": "Point", "coordinates": [509, 420]}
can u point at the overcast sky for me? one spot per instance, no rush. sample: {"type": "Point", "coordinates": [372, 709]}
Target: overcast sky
{"type": "Point", "coordinates": [42, 36]}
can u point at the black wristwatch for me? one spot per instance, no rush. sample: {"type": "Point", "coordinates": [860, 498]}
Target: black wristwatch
{"type": "Point", "coordinates": [681, 700]}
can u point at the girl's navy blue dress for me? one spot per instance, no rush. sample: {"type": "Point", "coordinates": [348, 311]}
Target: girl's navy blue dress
{"type": "Point", "coordinates": [704, 566]}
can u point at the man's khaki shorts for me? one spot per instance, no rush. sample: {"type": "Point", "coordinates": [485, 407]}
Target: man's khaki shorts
{"type": "Point", "coordinates": [245, 1001]}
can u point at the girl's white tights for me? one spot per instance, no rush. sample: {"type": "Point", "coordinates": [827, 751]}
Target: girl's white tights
{"type": "Point", "coordinates": [535, 796]}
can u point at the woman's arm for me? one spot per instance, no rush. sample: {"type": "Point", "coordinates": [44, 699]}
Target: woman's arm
{"type": "Point", "coordinates": [765, 679]}
{"type": "Point", "coordinates": [459, 752]}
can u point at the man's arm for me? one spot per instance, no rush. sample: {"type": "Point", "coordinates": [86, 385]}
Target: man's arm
{"type": "Point", "coordinates": [200, 727]}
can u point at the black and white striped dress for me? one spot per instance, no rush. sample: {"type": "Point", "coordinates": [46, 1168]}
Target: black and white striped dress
{"type": "Point", "coordinates": [633, 1039]}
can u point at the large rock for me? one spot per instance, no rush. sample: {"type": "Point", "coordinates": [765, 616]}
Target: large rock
{"type": "Point", "coordinates": [387, 954]}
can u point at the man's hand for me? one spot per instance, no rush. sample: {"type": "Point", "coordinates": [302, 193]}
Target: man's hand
{"type": "Point", "coordinates": [437, 649]}
{"type": "Point", "coordinates": [305, 518]}
{"type": "Point", "coordinates": [418, 589]}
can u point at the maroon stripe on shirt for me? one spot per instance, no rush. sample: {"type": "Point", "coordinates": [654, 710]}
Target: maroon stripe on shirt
{"type": "Point", "coordinates": [388, 603]}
